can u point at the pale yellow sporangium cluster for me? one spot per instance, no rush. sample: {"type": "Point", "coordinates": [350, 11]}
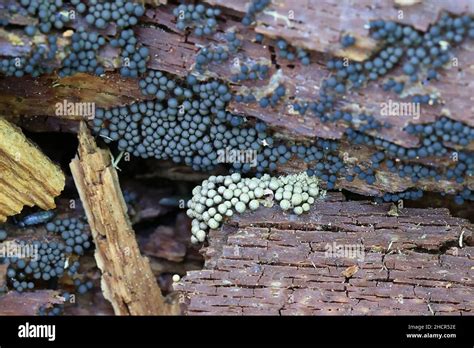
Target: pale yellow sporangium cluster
{"type": "Point", "coordinates": [221, 196]}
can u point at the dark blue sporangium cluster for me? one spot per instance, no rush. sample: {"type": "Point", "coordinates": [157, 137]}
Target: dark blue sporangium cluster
{"type": "Point", "coordinates": [254, 72]}
{"type": "Point", "coordinates": [233, 42]}
{"type": "Point", "coordinates": [392, 85]}
{"type": "Point", "coordinates": [73, 232]}
{"type": "Point", "coordinates": [50, 13]}
{"type": "Point", "coordinates": [425, 53]}
{"type": "Point", "coordinates": [134, 56]}
{"type": "Point", "coordinates": [217, 54]}
{"type": "Point", "coordinates": [400, 41]}
{"type": "Point", "coordinates": [287, 52]}
{"type": "Point", "coordinates": [432, 143]}
{"type": "Point", "coordinates": [39, 62]}
{"type": "Point", "coordinates": [465, 194]}
{"type": "Point", "coordinates": [47, 259]}
{"type": "Point", "coordinates": [253, 9]}
{"type": "Point", "coordinates": [83, 54]}
{"type": "Point", "coordinates": [191, 127]}
{"type": "Point", "coordinates": [348, 41]}
{"type": "Point", "coordinates": [100, 14]}
{"type": "Point", "coordinates": [430, 50]}
{"type": "Point", "coordinates": [326, 111]}
{"type": "Point", "coordinates": [158, 84]}
{"type": "Point", "coordinates": [405, 195]}
{"type": "Point", "coordinates": [352, 74]}
{"type": "Point", "coordinates": [199, 17]}
{"type": "Point", "coordinates": [329, 165]}
{"type": "Point", "coordinates": [208, 55]}
{"type": "Point", "coordinates": [413, 171]}
{"type": "Point", "coordinates": [320, 108]}
{"type": "Point", "coordinates": [125, 14]}
{"type": "Point", "coordinates": [25, 273]}
{"type": "Point", "coordinates": [83, 287]}
{"type": "Point", "coordinates": [433, 137]}
{"type": "Point", "coordinates": [443, 130]}
{"type": "Point", "coordinates": [424, 99]}
{"type": "Point", "coordinates": [273, 98]}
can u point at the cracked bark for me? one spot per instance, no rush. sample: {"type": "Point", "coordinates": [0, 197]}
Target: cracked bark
{"type": "Point", "coordinates": [268, 262]}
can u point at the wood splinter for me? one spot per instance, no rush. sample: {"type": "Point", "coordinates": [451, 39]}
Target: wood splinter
{"type": "Point", "coordinates": [27, 176]}
{"type": "Point", "coordinates": [127, 279]}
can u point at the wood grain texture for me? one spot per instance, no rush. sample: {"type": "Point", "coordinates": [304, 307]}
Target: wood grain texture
{"type": "Point", "coordinates": [28, 303]}
{"type": "Point", "coordinates": [416, 262]}
{"type": "Point", "coordinates": [127, 279]}
{"type": "Point", "coordinates": [27, 176]}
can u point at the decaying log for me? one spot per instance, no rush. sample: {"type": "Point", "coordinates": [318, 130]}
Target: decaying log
{"type": "Point", "coordinates": [319, 26]}
{"type": "Point", "coordinates": [174, 52]}
{"type": "Point", "coordinates": [415, 261]}
{"type": "Point", "coordinates": [127, 280]}
{"type": "Point", "coordinates": [28, 303]}
{"type": "Point", "coordinates": [27, 176]}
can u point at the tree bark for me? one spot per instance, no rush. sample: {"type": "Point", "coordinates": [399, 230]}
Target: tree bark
{"type": "Point", "coordinates": [415, 262]}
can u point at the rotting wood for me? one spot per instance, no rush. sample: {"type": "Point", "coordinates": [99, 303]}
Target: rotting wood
{"type": "Point", "coordinates": [268, 262]}
{"type": "Point", "coordinates": [319, 25]}
{"type": "Point", "coordinates": [27, 176]}
{"type": "Point", "coordinates": [127, 280]}
{"type": "Point", "coordinates": [174, 52]}
{"type": "Point", "coordinates": [28, 303]}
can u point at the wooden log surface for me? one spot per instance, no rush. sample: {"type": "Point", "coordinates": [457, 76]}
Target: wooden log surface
{"type": "Point", "coordinates": [28, 303]}
{"type": "Point", "coordinates": [415, 262]}
{"type": "Point", "coordinates": [319, 25]}
{"type": "Point", "coordinates": [174, 52]}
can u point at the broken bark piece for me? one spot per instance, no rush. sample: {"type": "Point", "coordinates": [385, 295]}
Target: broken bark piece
{"type": "Point", "coordinates": [28, 303]}
{"type": "Point", "coordinates": [27, 176]}
{"type": "Point", "coordinates": [127, 280]}
{"type": "Point", "coordinates": [269, 262]}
